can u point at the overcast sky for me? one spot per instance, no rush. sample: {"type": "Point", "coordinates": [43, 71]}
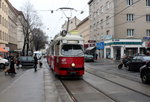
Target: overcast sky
{"type": "Point", "coordinates": [53, 22]}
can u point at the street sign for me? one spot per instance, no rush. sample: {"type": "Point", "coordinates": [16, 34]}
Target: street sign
{"type": "Point", "coordinates": [100, 45]}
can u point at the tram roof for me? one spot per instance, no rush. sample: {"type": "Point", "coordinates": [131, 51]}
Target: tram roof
{"type": "Point", "coordinates": [69, 37]}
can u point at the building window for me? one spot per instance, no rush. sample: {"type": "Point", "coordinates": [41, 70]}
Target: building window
{"type": "Point", "coordinates": [129, 2]}
{"type": "Point", "coordinates": [0, 34]}
{"type": "Point", "coordinates": [107, 32]}
{"type": "Point", "coordinates": [147, 2]}
{"type": "Point", "coordinates": [0, 19]}
{"type": "Point", "coordinates": [107, 20]}
{"type": "Point", "coordinates": [0, 3]}
{"type": "Point", "coordinates": [148, 32]}
{"type": "Point", "coordinates": [148, 17]}
{"type": "Point", "coordinates": [129, 17]}
{"type": "Point", "coordinates": [130, 32]}
{"type": "Point", "coordinates": [101, 23]}
{"type": "Point", "coordinates": [107, 5]}
{"type": "Point", "coordinates": [102, 9]}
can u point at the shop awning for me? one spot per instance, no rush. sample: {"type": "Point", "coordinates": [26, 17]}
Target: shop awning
{"type": "Point", "coordinates": [3, 50]}
{"type": "Point", "coordinates": [90, 48]}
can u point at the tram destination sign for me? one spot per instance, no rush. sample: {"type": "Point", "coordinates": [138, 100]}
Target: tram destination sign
{"type": "Point", "coordinates": [73, 41]}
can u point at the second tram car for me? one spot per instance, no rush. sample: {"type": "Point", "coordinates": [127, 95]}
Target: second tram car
{"type": "Point", "coordinates": [66, 55]}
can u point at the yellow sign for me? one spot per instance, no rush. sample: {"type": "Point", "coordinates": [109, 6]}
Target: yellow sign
{"type": "Point", "coordinates": [74, 32]}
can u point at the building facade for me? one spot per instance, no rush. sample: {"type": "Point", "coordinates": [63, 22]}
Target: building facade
{"type": "Point", "coordinates": [20, 36]}
{"type": "Point", "coordinates": [83, 29]}
{"type": "Point", "coordinates": [72, 24]}
{"type": "Point", "coordinates": [4, 36]}
{"type": "Point", "coordinates": [12, 27]}
{"type": "Point", "coordinates": [121, 25]}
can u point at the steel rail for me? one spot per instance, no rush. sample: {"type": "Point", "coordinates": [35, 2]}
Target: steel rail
{"type": "Point", "coordinates": [120, 85]}
{"type": "Point", "coordinates": [69, 92]}
{"type": "Point", "coordinates": [114, 73]}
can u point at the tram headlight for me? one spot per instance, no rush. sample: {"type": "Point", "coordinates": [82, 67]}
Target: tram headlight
{"type": "Point", "coordinates": [73, 65]}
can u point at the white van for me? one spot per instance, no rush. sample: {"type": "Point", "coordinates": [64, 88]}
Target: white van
{"type": "Point", "coordinates": [38, 54]}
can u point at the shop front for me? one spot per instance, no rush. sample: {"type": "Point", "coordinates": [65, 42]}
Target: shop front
{"type": "Point", "coordinates": [117, 48]}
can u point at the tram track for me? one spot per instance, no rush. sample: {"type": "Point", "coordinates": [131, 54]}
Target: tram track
{"type": "Point", "coordinates": [84, 90]}
{"type": "Point", "coordinates": [72, 85]}
{"type": "Point", "coordinates": [129, 77]}
{"type": "Point", "coordinates": [122, 85]}
{"type": "Point", "coordinates": [69, 92]}
{"type": "Point", "coordinates": [110, 99]}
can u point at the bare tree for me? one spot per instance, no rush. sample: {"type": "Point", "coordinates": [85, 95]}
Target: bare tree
{"type": "Point", "coordinates": [39, 39]}
{"type": "Point", "coordinates": [32, 21]}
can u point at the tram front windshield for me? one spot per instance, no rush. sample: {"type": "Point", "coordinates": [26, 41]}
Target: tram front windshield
{"type": "Point", "coordinates": [72, 50]}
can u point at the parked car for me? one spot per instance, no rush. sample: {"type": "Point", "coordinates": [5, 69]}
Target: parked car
{"type": "Point", "coordinates": [26, 61]}
{"type": "Point", "coordinates": [3, 62]}
{"type": "Point", "coordinates": [145, 73]}
{"type": "Point", "coordinates": [88, 58]}
{"type": "Point", "coordinates": [137, 62]}
{"type": "Point", "coordinates": [129, 58]}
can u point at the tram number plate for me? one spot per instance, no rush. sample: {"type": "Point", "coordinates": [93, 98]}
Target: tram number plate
{"type": "Point", "coordinates": [72, 73]}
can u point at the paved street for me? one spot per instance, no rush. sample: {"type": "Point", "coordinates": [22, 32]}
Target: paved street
{"type": "Point", "coordinates": [102, 79]}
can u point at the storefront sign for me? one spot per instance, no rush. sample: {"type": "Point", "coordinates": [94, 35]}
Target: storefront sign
{"type": "Point", "coordinates": [124, 43]}
{"type": "Point", "coordinates": [91, 41]}
{"type": "Point", "coordinates": [146, 38]}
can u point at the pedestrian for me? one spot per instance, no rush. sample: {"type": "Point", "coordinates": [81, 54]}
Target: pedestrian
{"type": "Point", "coordinates": [17, 61]}
{"type": "Point", "coordinates": [147, 53]}
{"type": "Point", "coordinates": [35, 62]}
{"type": "Point", "coordinates": [96, 56]}
{"type": "Point", "coordinates": [12, 66]}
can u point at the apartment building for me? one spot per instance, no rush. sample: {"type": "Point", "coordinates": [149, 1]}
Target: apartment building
{"type": "Point", "coordinates": [12, 27]}
{"type": "Point", "coordinates": [20, 36]}
{"type": "Point", "coordinates": [83, 29]}
{"type": "Point", "coordinates": [4, 37]}
{"type": "Point", "coordinates": [122, 25]}
{"type": "Point", "coordinates": [71, 25]}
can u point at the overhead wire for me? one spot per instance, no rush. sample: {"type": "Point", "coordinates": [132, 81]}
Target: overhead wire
{"type": "Point", "coordinates": [112, 8]}
{"type": "Point", "coordinates": [82, 11]}
{"type": "Point", "coordinates": [57, 23]}
{"type": "Point", "coordinates": [68, 2]}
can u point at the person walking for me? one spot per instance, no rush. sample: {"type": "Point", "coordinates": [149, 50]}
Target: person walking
{"type": "Point", "coordinates": [35, 62]}
{"type": "Point", "coordinates": [12, 66]}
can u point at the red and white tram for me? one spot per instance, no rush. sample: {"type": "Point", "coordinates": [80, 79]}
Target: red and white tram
{"type": "Point", "coordinates": [66, 55]}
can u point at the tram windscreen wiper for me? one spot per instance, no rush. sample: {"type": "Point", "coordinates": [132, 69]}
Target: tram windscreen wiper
{"type": "Point", "coordinates": [81, 53]}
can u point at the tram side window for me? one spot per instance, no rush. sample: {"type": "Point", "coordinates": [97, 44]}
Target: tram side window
{"type": "Point", "coordinates": [52, 50]}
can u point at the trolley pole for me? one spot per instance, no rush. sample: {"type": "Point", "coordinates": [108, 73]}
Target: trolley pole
{"type": "Point", "coordinates": [67, 29]}
{"type": "Point", "coordinates": [68, 17]}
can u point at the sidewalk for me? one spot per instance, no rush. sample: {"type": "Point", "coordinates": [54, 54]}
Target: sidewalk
{"type": "Point", "coordinates": [28, 87]}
